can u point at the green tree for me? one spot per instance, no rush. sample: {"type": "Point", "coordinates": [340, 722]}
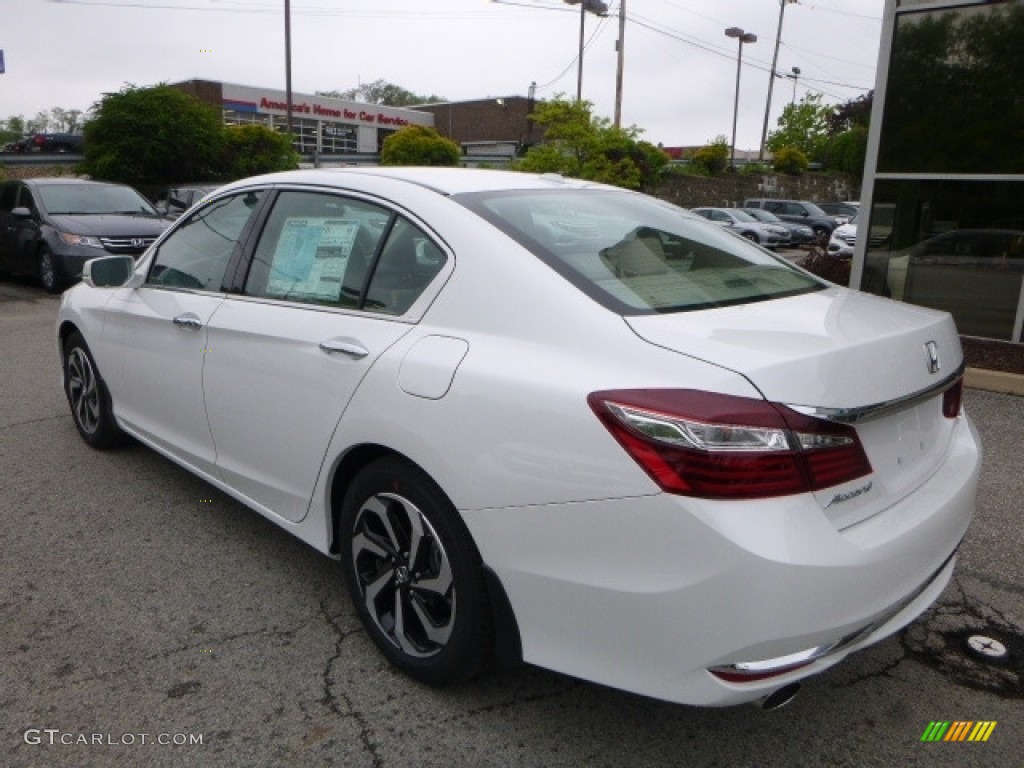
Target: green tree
{"type": "Point", "coordinates": [382, 92]}
{"type": "Point", "coordinates": [789, 160]}
{"type": "Point", "coordinates": [713, 157]}
{"type": "Point", "coordinates": [848, 150]}
{"type": "Point", "coordinates": [419, 145]}
{"type": "Point", "coordinates": [255, 149]}
{"type": "Point", "coordinates": [803, 126]}
{"type": "Point", "coordinates": [153, 134]}
{"type": "Point", "coordinates": [12, 129]}
{"type": "Point", "coordinates": [851, 114]}
{"type": "Point", "coordinates": [580, 145]}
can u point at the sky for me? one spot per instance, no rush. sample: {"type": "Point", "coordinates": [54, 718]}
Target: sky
{"type": "Point", "coordinates": [679, 76]}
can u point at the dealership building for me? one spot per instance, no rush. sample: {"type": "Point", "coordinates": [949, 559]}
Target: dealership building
{"type": "Point", "coordinates": [322, 125]}
{"type": "Point", "coordinates": [942, 222]}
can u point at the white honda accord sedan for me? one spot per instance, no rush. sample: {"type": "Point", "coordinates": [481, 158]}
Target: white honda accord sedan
{"type": "Point", "coordinates": [544, 420]}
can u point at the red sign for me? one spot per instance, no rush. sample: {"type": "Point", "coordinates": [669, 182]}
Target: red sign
{"type": "Point", "coordinates": [340, 113]}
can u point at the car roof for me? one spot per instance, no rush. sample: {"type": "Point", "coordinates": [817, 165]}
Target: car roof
{"type": "Point", "coordinates": [46, 181]}
{"type": "Point", "coordinates": [447, 181]}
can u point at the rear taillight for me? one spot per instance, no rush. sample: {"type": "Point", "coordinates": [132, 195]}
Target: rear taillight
{"type": "Point", "coordinates": [724, 447]}
{"type": "Point", "coordinates": [951, 399]}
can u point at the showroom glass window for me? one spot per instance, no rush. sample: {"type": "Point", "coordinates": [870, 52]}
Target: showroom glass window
{"type": "Point", "coordinates": [955, 91]}
{"type": "Point", "coordinates": [341, 252]}
{"type": "Point", "coordinates": [197, 253]}
{"type": "Point", "coordinates": [946, 227]}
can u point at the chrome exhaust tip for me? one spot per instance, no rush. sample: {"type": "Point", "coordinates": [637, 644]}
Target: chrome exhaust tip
{"type": "Point", "coordinates": [780, 698]}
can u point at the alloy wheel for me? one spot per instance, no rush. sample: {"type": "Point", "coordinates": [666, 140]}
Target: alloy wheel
{"type": "Point", "coordinates": [404, 575]}
{"type": "Point", "coordinates": [83, 390]}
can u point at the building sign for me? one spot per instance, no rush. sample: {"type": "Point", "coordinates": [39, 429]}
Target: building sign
{"type": "Point", "coordinates": [246, 99]}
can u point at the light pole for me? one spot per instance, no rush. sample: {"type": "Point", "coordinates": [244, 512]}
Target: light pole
{"type": "Point", "coordinates": [742, 37]}
{"type": "Point", "coordinates": [288, 63]}
{"type": "Point", "coordinates": [794, 77]}
{"type": "Point", "coordinates": [598, 8]}
{"type": "Point", "coordinates": [772, 75]}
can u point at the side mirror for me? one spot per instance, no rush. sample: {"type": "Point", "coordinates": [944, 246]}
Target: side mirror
{"type": "Point", "coordinates": [21, 212]}
{"type": "Point", "coordinates": [108, 271]}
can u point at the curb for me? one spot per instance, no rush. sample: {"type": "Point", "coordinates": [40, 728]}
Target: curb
{"type": "Point", "coordinates": [995, 381]}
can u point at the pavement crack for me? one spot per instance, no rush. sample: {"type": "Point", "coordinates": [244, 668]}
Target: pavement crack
{"type": "Point", "coordinates": [938, 640]}
{"type": "Point", "coordinates": [334, 701]}
{"type": "Point", "coordinates": [40, 420]}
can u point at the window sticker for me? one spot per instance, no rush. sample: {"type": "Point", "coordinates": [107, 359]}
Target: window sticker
{"type": "Point", "coordinates": [310, 259]}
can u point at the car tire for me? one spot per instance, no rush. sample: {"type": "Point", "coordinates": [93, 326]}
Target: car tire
{"type": "Point", "coordinates": [47, 271]}
{"type": "Point", "coordinates": [752, 237]}
{"type": "Point", "coordinates": [414, 574]}
{"type": "Point", "coordinates": [88, 396]}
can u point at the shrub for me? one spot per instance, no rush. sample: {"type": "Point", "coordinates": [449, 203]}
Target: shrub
{"type": "Point", "coordinates": [712, 158]}
{"type": "Point", "coordinates": [253, 149]}
{"type": "Point", "coordinates": [791, 161]}
{"type": "Point", "coordinates": [154, 134]}
{"type": "Point", "coordinates": [419, 145]}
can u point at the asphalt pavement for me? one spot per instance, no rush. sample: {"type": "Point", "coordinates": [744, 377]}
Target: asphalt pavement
{"type": "Point", "coordinates": [147, 619]}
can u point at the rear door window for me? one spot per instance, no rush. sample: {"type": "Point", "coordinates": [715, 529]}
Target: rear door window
{"type": "Point", "coordinates": [326, 249]}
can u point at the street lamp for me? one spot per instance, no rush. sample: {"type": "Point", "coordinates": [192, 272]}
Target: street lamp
{"type": "Point", "coordinates": [288, 62]}
{"type": "Point", "coordinates": [772, 75]}
{"type": "Point", "coordinates": [742, 37]}
{"type": "Point", "coordinates": [794, 77]}
{"type": "Point", "coordinates": [598, 8]}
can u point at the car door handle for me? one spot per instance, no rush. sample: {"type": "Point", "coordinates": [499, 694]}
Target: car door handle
{"type": "Point", "coordinates": [350, 348]}
{"type": "Point", "coordinates": [188, 320]}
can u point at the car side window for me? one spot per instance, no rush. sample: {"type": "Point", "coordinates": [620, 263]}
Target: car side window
{"type": "Point", "coordinates": [25, 199]}
{"type": "Point", "coordinates": [775, 207]}
{"type": "Point", "coordinates": [196, 254]}
{"type": "Point", "coordinates": [326, 249]}
{"type": "Point", "coordinates": [407, 264]}
{"type": "Point", "coordinates": [8, 194]}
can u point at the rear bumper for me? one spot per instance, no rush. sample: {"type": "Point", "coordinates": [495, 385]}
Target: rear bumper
{"type": "Point", "coordinates": [647, 594]}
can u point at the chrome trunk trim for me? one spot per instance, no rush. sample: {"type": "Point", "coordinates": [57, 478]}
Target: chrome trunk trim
{"type": "Point", "coordinates": [876, 410]}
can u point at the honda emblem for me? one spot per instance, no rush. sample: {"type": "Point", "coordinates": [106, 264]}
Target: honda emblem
{"type": "Point", "coordinates": [931, 353]}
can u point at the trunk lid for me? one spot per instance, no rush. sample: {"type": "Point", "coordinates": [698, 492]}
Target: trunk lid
{"type": "Point", "coordinates": [837, 351]}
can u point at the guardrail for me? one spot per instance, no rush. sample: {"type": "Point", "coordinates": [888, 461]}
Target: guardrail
{"type": "Point", "coordinates": [12, 159]}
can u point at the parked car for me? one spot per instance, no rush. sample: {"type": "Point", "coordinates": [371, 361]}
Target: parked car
{"type": "Point", "coordinates": [799, 234]}
{"type": "Point", "coordinates": [21, 145]}
{"type": "Point", "coordinates": [846, 210]}
{"type": "Point", "coordinates": [844, 240]}
{"type": "Point", "coordinates": [58, 143]}
{"type": "Point", "coordinates": [49, 227]}
{"type": "Point", "coordinates": [174, 201]}
{"type": "Point", "coordinates": [800, 212]}
{"type": "Point", "coordinates": [745, 225]}
{"type": "Point", "coordinates": [544, 419]}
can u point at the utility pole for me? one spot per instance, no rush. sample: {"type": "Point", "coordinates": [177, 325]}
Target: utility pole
{"type": "Point", "coordinates": [620, 46]}
{"type": "Point", "coordinates": [772, 75]}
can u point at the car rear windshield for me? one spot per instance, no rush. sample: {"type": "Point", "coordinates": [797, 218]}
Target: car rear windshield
{"type": "Point", "coordinates": [92, 199]}
{"type": "Point", "coordinates": [638, 255]}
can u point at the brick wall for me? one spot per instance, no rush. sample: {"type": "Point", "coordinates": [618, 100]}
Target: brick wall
{"type": "Point", "coordinates": [486, 120]}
